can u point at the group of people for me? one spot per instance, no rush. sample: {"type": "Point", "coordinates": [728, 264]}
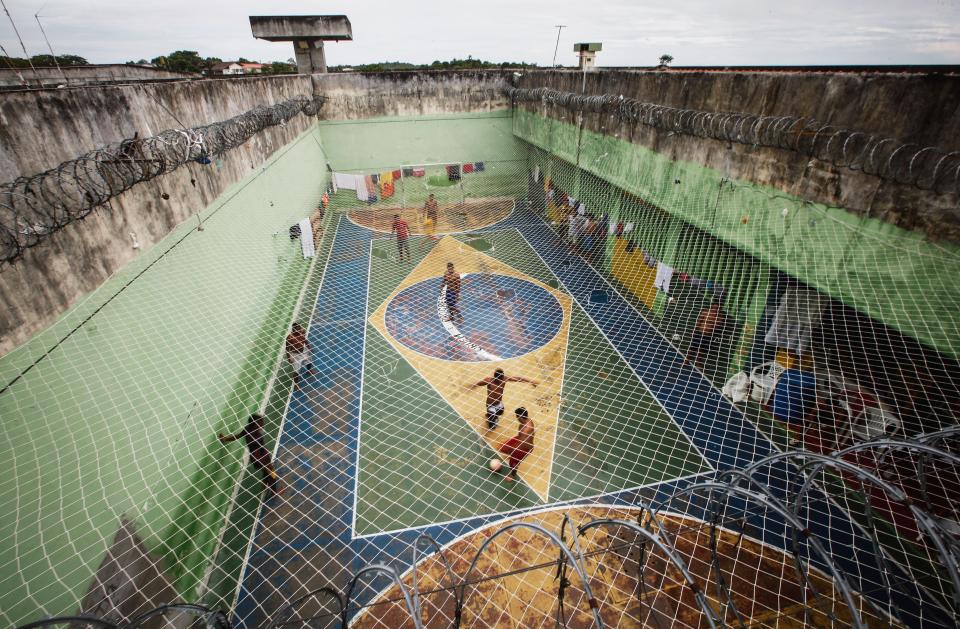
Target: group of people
{"type": "Point", "coordinates": [297, 347]}
{"type": "Point", "coordinates": [298, 355]}
{"type": "Point", "coordinates": [401, 229]}
{"type": "Point", "coordinates": [585, 230]}
{"type": "Point", "coordinates": [518, 447]}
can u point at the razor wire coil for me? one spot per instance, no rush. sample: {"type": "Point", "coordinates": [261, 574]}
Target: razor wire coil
{"type": "Point", "coordinates": [34, 207]}
{"type": "Point", "coordinates": [926, 167]}
{"type": "Point", "coordinates": [785, 488]}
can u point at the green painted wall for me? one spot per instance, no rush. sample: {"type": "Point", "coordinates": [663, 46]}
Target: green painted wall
{"type": "Point", "coordinates": [120, 418]}
{"type": "Point", "coordinates": [379, 144]}
{"type": "Point", "coordinates": [895, 276]}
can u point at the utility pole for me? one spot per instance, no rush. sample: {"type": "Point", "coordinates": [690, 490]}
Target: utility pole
{"type": "Point", "coordinates": [559, 28]}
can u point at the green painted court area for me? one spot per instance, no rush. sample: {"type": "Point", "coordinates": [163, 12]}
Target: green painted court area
{"type": "Point", "coordinates": [420, 463]}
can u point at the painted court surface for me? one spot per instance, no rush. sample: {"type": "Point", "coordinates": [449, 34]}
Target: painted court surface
{"type": "Point", "coordinates": [388, 441]}
{"type": "Point", "coordinates": [424, 443]}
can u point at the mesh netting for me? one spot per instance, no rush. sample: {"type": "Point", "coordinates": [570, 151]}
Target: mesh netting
{"type": "Point", "coordinates": [526, 391]}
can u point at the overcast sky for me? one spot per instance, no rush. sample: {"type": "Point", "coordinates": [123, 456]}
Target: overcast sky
{"type": "Point", "coordinates": [633, 32]}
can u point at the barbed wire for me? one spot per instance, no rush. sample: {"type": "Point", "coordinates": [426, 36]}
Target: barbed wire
{"type": "Point", "coordinates": [926, 167]}
{"type": "Point", "coordinates": [814, 504]}
{"type": "Point", "coordinates": [36, 206]}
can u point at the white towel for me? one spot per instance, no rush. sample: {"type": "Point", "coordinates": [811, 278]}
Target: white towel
{"type": "Point", "coordinates": [343, 181]}
{"type": "Point", "coordinates": [361, 185]}
{"type": "Point", "coordinates": [664, 275]}
{"type": "Point", "coordinates": [306, 239]}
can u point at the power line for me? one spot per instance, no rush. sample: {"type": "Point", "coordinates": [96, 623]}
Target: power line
{"type": "Point", "coordinates": [559, 28]}
{"type": "Point", "coordinates": [52, 54]}
{"type": "Point", "coordinates": [22, 46]}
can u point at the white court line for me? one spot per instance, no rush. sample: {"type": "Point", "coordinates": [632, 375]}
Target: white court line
{"type": "Point", "coordinates": [283, 422]}
{"type": "Point", "coordinates": [713, 387]}
{"type": "Point", "coordinates": [208, 572]}
{"type": "Point", "coordinates": [363, 369]}
{"type": "Point", "coordinates": [524, 511]}
{"type": "Point", "coordinates": [614, 347]}
{"type": "Point", "coordinates": [347, 211]}
{"type": "Point", "coordinates": [448, 325]}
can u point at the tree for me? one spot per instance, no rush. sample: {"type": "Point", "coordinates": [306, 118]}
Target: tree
{"type": "Point", "coordinates": [43, 61]}
{"type": "Point", "coordinates": [279, 67]}
{"type": "Point", "coordinates": [180, 61]}
{"type": "Point", "coordinates": [665, 59]}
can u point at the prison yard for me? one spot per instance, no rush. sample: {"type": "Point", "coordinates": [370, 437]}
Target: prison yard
{"type": "Point", "coordinates": [654, 347]}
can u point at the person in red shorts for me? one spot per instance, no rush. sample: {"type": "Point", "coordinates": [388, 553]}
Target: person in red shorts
{"type": "Point", "coordinates": [402, 231]}
{"type": "Point", "coordinates": [517, 448]}
{"type": "Point", "coordinates": [252, 433]}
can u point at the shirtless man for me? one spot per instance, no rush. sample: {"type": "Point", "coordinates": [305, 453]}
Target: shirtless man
{"type": "Point", "coordinates": [451, 280]}
{"type": "Point", "coordinates": [702, 340]}
{"type": "Point", "coordinates": [431, 210]}
{"type": "Point", "coordinates": [495, 387]}
{"type": "Point", "coordinates": [298, 352]}
{"type": "Point", "coordinates": [517, 448]}
{"type": "Point", "coordinates": [400, 228]}
{"type": "Point", "coordinates": [252, 433]}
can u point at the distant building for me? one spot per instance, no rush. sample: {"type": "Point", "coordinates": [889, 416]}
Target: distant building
{"type": "Point", "coordinates": [228, 68]}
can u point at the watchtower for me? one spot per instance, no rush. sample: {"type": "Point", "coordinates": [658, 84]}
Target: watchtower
{"type": "Point", "coordinates": [307, 32]}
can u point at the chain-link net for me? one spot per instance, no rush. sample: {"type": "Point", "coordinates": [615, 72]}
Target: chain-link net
{"type": "Point", "coordinates": [564, 381]}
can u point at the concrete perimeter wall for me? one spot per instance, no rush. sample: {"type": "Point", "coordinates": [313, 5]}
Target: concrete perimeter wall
{"type": "Point", "coordinates": [43, 128]}
{"type": "Point", "coordinates": [920, 108]}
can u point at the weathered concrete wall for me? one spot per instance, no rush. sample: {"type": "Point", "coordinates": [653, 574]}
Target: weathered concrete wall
{"type": "Point", "coordinates": [41, 129]}
{"type": "Point", "coordinates": [85, 75]}
{"type": "Point", "coordinates": [356, 95]}
{"type": "Point", "coordinates": [920, 108]}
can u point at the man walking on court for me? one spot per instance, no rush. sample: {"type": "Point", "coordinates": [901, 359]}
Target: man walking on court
{"type": "Point", "coordinates": [495, 387]}
{"type": "Point", "coordinates": [517, 448]}
{"type": "Point", "coordinates": [431, 211]}
{"type": "Point", "coordinates": [451, 281]}
{"type": "Point", "coordinates": [252, 433]}
{"type": "Point", "coordinates": [402, 231]}
{"type": "Point", "coordinates": [701, 343]}
{"type": "Point", "coordinates": [298, 352]}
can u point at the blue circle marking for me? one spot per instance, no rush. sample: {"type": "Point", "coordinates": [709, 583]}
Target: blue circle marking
{"type": "Point", "coordinates": [503, 317]}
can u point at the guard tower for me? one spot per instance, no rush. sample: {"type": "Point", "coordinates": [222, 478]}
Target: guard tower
{"type": "Point", "coordinates": [588, 54]}
{"type": "Point", "coordinates": [307, 32]}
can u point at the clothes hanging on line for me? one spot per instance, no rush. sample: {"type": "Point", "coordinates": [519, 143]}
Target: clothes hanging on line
{"type": "Point", "coordinates": [664, 275]}
{"type": "Point", "coordinates": [306, 239]}
{"type": "Point", "coordinates": [344, 181]}
{"type": "Point", "coordinates": [386, 177]}
{"type": "Point", "coordinates": [467, 168]}
{"type": "Point", "coordinates": [396, 174]}
{"type": "Point", "coordinates": [479, 166]}
{"type": "Point", "coordinates": [798, 314]}
{"type": "Point", "coordinates": [361, 187]}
